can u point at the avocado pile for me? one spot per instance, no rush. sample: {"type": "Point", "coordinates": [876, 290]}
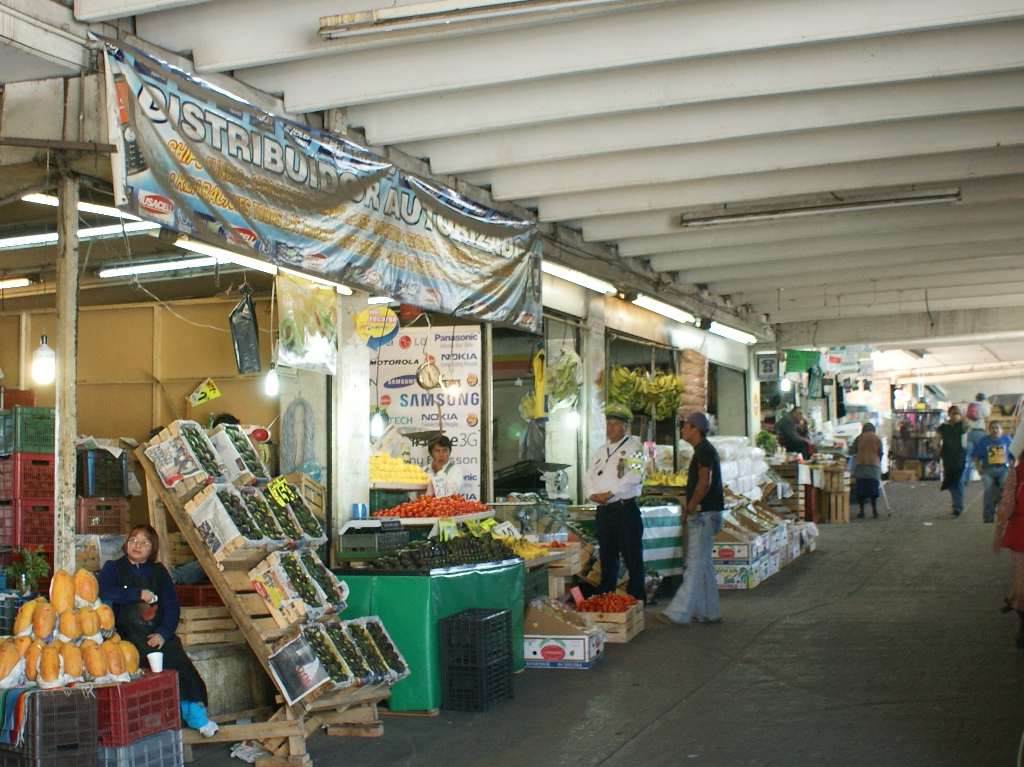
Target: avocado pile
{"type": "Point", "coordinates": [427, 555]}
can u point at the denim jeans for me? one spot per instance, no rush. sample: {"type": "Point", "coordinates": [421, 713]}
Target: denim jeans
{"type": "Point", "coordinates": [697, 598]}
{"type": "Point", "coordinates": [994, 477]}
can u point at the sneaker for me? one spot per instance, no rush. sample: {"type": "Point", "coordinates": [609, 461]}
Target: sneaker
{"type": "Point", "coordinates": [209, 729]}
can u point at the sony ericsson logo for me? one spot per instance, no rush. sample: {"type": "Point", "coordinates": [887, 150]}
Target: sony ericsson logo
{"type": "Point", "coordinates": [400, 382]}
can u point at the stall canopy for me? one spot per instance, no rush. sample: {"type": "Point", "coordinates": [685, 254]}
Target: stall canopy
{"type": "Point", "coordinates": [209, 165]}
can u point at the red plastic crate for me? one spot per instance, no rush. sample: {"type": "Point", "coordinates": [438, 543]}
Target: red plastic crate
{"type": "Point", "coordinates": [203, 595]}
{"type": "Point", "coordinates": [127, 712]}
{"type": "Point", "coordinates": [101, 516]}
{"type": "Point", "coordinates": [34, 475]}
{"type": "Point", "coordinates": [26, 522]}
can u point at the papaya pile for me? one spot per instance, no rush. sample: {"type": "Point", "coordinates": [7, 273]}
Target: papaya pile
{"type": "Point", "coordinates": [68, 638]}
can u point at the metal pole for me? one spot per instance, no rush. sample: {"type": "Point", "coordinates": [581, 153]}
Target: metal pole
{"type": "Point", "coordinates": [487, 453]}
{"type": "Point", "coordinates": [67, 373]}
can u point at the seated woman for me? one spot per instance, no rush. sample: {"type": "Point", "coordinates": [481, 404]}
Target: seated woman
{"type": "Point", "coordinates": [140, 591]}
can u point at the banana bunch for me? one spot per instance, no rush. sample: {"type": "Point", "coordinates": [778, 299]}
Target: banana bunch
{"type": "Point", "coordinates": [642, 393]}
{"type": "Point", "coordinates": [626, 386]}
{"type": "Point", "coordinates": [662, 393]}
{"type": "Point", "coordinates": [665, 479]}
{"type": "Point", "coordinates": [523, 548]}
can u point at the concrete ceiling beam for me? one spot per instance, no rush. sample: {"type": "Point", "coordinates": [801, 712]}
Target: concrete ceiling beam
{"type": "Point", "coordinates": [720, 120]}
{"type": "Point", "coordinates": [105, 10]}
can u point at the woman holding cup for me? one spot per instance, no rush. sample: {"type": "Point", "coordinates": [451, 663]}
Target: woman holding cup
{"type": "Point", "coordinates": [141, 593]}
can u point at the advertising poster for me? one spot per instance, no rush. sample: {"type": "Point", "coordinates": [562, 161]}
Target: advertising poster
{"type": "Point", "coordinates": [456, 407]}
{"type": "Point", "coordinates": [216, 168]}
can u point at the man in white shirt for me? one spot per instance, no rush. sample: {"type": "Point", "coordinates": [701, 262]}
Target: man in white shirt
{"type": "Point", "coordinates": [615, 479]}
{"type": "Point", "coordinates": [445, 477]}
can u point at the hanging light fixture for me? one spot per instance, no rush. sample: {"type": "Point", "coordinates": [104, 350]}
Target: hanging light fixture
{"type": "Point", "coordinates": [44, 363]}
{"type": "Point", "coordinates": [271, 383]}
{"type": "Point", "coordinates": [786, 384]}
{"type": "Point", "coordinates": [377, 424]}
{"type": "Point", "coordinates": [572, 420]}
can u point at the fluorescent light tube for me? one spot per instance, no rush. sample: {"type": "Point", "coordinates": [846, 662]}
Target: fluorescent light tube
{"type": "Point", "coordinates": [230, 257]}
{"type": "Point", "coordinates": [92, 233]}
{"type": "Point", "coordinates": [665, 310]}
{"type": "Point", "coordinates": [15, 282]}
{"type": "Point", "coordinates": [578, 278]}
{"type": "Point", "coordinates": [379, 300]}
{"type": "Point", "coordinates": [155, 267]}
{"type": "Point", "coordinates": [734, 334]}
{"type": "Point", "coordinates": [815, 210]}
{"type": "Point", "coordinates": [85, 207]}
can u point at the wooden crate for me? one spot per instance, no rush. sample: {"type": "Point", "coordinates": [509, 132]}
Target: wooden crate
{"type": "Point", "coordinates": [620, 627]}
{"type": "Point", "coordinates": [207, 625]}
{"type": "Point", "coordinates": [178, 550]}
{"type": "Point", "coordinates": [571, 562]}
{"type": "Point", "coordinates": [312, 493]}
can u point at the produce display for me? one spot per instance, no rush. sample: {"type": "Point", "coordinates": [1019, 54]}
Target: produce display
{"type": "Point", "coordinates": [261, 513]}
{"type": "Point", "coordinates": [329, 656]}
{"type": "Point", "coordinates": [607, 603]}
{"type": "Point", "coordinates": [665, 479]}
{"type": "Point", "coordinates": [642, 393]}
{"type": "Point", "coordinates": [349, 652]}
{"type": "Point", "coordinates": [309, 523]}
{"type": "Point", "coordinates": [385, 468]}
{"type": "Point", "coordinates": [54, 648]}
{"type": "Point", "coordinates": [285, 520]}
{"type": "Point", "coordinates": [426, 555]}
{"type": "Point", "coordinates": [432, 506]}
{"type": "Point", "coordinates": [525, 549]}
{"type": "Point", "coordinates": [368, 649]}
{"type": "Point", "coordinates": [563, 379]}
{"type": "Point", "coordinates": [240, 441]}
{"type": "Point", "coordinates": [236, 509]}
{"type": "Point", "coordinates": [300, 579]}
{"type": "Point", "coordinates": [767, 442]}
{"type": "Point", "coordinates": [323, 577]}
{"type": "Point", "coordinates": [201, 447]}
{"type": "Point", "coordinates": [387, 647]}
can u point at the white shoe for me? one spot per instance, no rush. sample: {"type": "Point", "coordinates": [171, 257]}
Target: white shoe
{"type": "Point", "coordinates": [209, 729]}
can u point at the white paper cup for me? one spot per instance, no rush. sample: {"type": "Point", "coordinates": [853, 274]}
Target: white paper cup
{"type": "Point", "coordinates": [156, 661]}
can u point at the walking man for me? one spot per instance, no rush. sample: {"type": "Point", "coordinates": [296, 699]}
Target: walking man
{"type": "Point", "coordinates": [992, 454]}
{"type": "Point", "coordinates": [697, 599]}
{"type": "Point", "coordinates": [954, 464]}
{"type": "Point", "coordinates": [614, 481]}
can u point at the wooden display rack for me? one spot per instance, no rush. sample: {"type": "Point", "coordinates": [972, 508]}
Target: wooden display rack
{"type": "Point", "coordinates": [347, 712]}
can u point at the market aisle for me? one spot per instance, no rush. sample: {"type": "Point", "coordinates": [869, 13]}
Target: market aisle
{"type": "Point", "coordinates": [883, 648]}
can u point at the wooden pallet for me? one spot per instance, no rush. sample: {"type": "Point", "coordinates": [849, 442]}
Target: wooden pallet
{"type": "Point", "coordinates": [351, 711]}
{"type": "Point", "coordinates": [207, 625]}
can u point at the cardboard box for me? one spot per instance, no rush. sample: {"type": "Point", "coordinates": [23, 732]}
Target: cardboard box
{"type": "Point", "coordinates": [737, 577]}
{"type": "Point", "coordinates": [904, 475]}
{"type": "Point", "coordinates": [553, 641]}
{"type": "Point", "coordinates": [736, 552]}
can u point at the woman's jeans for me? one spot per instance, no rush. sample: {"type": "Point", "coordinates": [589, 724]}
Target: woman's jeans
{"type": "Point", "coordinates": [697, 598]}
{"type": "Point", "coordinates": [993, 477]}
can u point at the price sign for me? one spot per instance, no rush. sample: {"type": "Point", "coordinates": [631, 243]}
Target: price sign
{"type": "Point", "coordinates": [281, 491]}
{"type": "Point", "coordinates": [205, 392]}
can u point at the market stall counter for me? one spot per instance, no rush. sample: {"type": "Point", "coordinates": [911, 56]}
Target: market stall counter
{"type": "Point", "coordinates": [412, 605]}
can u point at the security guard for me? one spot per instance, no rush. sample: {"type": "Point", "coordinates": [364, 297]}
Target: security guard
{"type": "Point", "coordinates": [614, 480]}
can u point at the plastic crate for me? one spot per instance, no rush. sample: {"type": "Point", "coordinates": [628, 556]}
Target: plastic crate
{"type": "Point", "coordinates": [58, 723]}
{"type": "Point", "coordinates": [34, 475]}
{"type": "Point", "coordinates": [6, 432]}
{"type": "Point", "coordinates": [7, 477]}
{"type": "Point", "coordinates": [86, 758]}
{"type": "Point", "coordinates": [101, 516]}
{"type": "Point", "coordinates": [203, 595]}
{"type": "Point", "coordinates": [9, 605]}
{"type": "Point", "coordinates": [475, 637]}
{"type": "Point", "coordinates": [26, 522]}
{"type": "Point", "coordinates": [161, 750]}
{"type": "Point", "coordinates": [476, 689]}
{"type": "Point", "coordinates": [101, 475]}
{"type": "Point", "coordinates": [535, 584]}
{"type": "Point", "coordinates": [133, 710]}
{"type": "Point", "coordinates": [33, 429]}
{"type": "Point", "coordinates": [373, 542]}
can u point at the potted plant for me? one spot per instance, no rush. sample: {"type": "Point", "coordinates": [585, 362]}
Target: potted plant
{"type": "Point", "coordinates": [26, 570]}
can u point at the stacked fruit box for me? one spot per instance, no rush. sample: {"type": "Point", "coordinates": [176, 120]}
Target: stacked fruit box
{"type": "Point", "coordinates": [27, 479]}
{"type": "Point", "coordinates": [139, 722]}
{"type": "Point", "coordinates": [102, 506]}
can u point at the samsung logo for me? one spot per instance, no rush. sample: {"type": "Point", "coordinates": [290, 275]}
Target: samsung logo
{"type": "Point", "coordinates": [400, 382]}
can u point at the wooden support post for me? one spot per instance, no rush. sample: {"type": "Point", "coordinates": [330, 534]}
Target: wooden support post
{"type": "Point", "coordinates": [67, 373]}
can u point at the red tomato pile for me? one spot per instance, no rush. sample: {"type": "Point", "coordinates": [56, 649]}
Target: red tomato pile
{"type": "Point", "coordinates": [607, 603]}
{"type": "Point", "coordinates": [432, 506]}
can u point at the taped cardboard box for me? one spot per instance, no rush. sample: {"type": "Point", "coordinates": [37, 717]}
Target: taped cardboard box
{"type": "Point", "coordinates": [552, 638]}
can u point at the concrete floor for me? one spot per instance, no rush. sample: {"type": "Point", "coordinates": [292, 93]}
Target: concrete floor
{"type": "Point", "coordinates": [884, 648]}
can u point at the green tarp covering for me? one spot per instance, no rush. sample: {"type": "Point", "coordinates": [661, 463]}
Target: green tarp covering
{"type": "Point", "coordinates": [412, 605]}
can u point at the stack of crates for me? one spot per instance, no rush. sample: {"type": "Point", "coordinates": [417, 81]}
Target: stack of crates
{"type": "Point", "coordinates": [476, 659]}
{"type": "Point", "coordinates": [27, 472]}
{"type": "Point", "coordinates": [139, 723]}
{"type": "Point", "coordinates": [102, 507]}
{"type": "Point", "coordinates": [60, 730]}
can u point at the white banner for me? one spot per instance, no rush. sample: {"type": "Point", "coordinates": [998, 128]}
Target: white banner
{"type": "Point", "coordinates": [456, 408]}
